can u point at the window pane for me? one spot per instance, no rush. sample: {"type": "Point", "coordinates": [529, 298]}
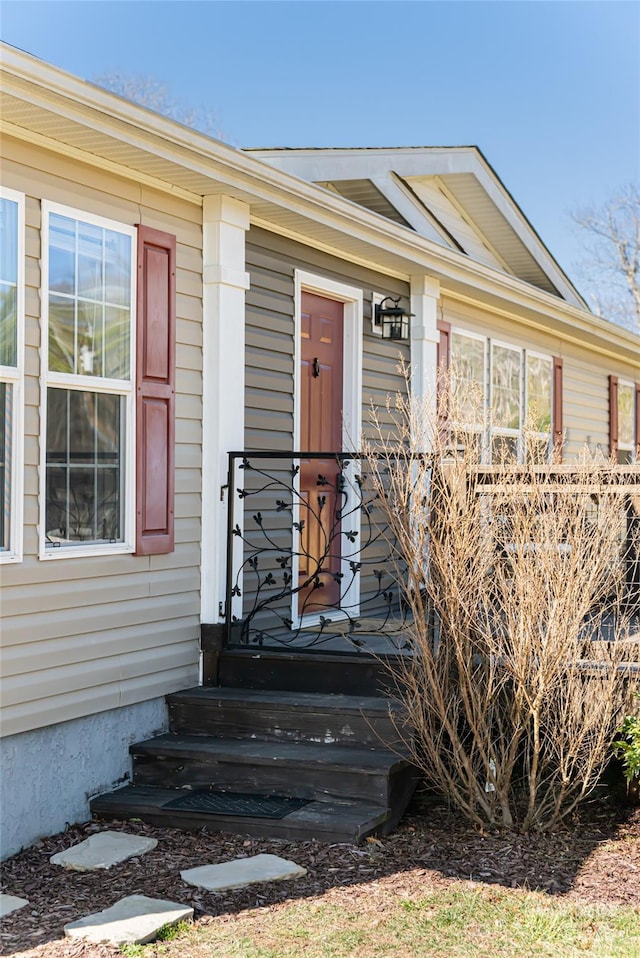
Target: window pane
{"type": "Point", "coordinates": [8, 241]}
{"type": "Point", "coordinates": [626, 395]}
{"type": "Point", "coordinates": [539, 380]}
{"type": "Point", "coordinates": [117, 268]}
{"type": "Point", "coordinates": [89, 329]}
{"type": "Point", "coordinates": [115, 346]}
{"type": "Point", "coordinates": [90, 320]}
{"type": "Point", "coordinates": [8, 282]}
{"type": "Point", "coordinates": [505, 387]}
{"type": "Point", "coordinates": [6, 429]}
{"type": "Point", "coordinates": [62, 254]}
{"type": "Point", "coordinates": [467, 445]}
{"type": "Point", "coordinates": [62, 334]}
{"type": "Point", "coordinates": [538, 450]}
{"type": "Point", "coordinates": [467, 368]}
{"type": "Point", "coordinates": [84, 467]}
{"type": "Point", "coordinates": [90, 249]}
{"type": "Point", "coordinates": [504, 450]}
{"type": "Point", "coordinates": [8, 325]}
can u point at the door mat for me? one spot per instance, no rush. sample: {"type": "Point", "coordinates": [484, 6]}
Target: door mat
{"type": "Point", "coordinates": [238, 804]}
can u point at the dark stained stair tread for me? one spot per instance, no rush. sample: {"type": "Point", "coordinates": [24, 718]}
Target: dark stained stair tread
{"type": "Point", "coordinates": [323, 820]}
{"type": "Point", "coordinates": [283, 699]}
{"type": "Point", "coordinates": [306, 754]}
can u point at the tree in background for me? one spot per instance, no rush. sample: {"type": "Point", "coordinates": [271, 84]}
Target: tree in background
{"type": "Point", "coordinates": [155, 95]}
{"type": "Point", "coordinates": [612, 270]}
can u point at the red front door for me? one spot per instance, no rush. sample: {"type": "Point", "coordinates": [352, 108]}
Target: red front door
{"type": "Point", "coordinates": [321, 397]}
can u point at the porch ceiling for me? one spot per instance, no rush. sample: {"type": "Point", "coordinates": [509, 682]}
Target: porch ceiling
{"type": "Point", "coordinates": [473, 198]}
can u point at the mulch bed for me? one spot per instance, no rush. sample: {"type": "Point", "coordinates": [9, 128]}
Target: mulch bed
{"type": "Point", "coordinates": [593, 858]}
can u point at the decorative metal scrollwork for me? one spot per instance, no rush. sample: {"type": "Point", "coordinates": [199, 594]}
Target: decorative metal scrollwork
{"type": "Point", "coordinates": [310, 569]}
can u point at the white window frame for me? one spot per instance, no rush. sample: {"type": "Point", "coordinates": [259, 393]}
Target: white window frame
{"type": "Point", "coordinates": [352, 298]}
{"type": "Point", "coordinates": [93, 384]}
{"type": "Point", "coordinates": [628, 446]}
{"type": "Point", "coordinates": [548, 359]}
{"type": "Point", "coordinates": [14, 376]}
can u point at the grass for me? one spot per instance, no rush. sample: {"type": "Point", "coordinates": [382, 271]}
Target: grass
{"type": "Point", "coordinates": [166, 933]}
{"type": "Point", "coordinates": [453, 921]}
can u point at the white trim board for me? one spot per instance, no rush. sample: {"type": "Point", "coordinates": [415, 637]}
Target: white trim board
{"type": "Point", "coordinates": [353, 300]}
{"type": "Point", "coordinates": [13, 376]}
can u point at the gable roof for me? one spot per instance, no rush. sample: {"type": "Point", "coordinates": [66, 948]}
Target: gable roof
{"type": "Point", "coordinates": [450, 195]}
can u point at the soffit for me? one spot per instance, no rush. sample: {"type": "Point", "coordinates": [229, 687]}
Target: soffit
{"type": "Point", "coordinates": [365, 193]}
{"type": "Point", "coordinates": [119, 144]}
{"type": "Point", "coordinates": [473, 198]}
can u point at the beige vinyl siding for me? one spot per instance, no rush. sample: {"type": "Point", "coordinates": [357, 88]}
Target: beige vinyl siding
{"type": "Point", "coordinates": [585, 372]}
{"type": "Point", "coordinates": [82, 635]}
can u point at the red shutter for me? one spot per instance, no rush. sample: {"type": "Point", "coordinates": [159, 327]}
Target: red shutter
{"type": "Point", "coordinates": [155, 392]}
{"type": "Point", "coordinates": [613, 416]}
{"type": "Point", "coordinates": [443, 359]}
{"type": "Point", "coordinates": [638, 423]}
{"type": "Point", "coordinates": [557, 425]}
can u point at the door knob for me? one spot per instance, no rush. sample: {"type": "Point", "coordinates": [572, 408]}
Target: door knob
{"type": "Point", "coordinates": [316, 368]}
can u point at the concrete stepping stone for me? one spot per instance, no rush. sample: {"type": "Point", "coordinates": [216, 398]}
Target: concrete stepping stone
{"type": "Point", "coordinates": [241, 872]}
{"type": "Point", "coordinates": [102, 851]}
{"type": "Point", "coordinates": [134, 920]}
{"type": "Point", "coordinates": [9, 903]}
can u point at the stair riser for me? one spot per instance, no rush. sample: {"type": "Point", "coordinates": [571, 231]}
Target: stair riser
{"type": "Point", "coordinates": [267, 828]}
{"type": "Point", "coordinates": [321, 784]}
{"type": "Point", "coordinates": [304, 673]}
{"type": "Point", "coordinates": [226, 720]}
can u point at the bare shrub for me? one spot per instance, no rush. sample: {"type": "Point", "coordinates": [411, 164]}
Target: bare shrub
{"type": "Point", "coordinates": [520, 671]}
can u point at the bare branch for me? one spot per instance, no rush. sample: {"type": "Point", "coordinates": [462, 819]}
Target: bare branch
{"type": "Point", "coordinates": [611, 269]}
{"type": "Point", "coordinates": [155, 95]}
{"type": "Point", "coordinates": [515, 577]}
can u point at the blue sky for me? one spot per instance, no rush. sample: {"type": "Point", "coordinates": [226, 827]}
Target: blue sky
{"type": "Point", "coordinates": [550, 91]}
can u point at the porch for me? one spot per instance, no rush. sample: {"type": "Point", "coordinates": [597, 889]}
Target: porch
{"type": "Point", "coordinates": [295, 732]}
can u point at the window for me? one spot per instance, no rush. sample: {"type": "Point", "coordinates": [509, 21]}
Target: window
{"type": "Point", "coordinates": [11, 372]}
{"type": "Point", "coordinates": [626, 422]}
{"type": "Point", "coordinates": [539, 399]}
{"type": "Point", "coordinates": [88, 303]}
{"type": "Point", "coordinates": [498, 389]}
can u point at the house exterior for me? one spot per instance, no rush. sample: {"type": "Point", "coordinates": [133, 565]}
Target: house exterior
{"type": "Point", "coordinates": [159, 291]}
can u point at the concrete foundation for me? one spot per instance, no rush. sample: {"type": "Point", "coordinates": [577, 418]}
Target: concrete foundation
{"type": "Point", "coordinates": [48, 775]}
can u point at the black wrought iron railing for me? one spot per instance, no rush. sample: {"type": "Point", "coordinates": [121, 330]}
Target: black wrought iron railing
{"type": "Point", "coordinates": [311, 560]}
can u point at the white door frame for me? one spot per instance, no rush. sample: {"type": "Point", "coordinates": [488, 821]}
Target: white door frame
{"type": "Point", "coordinates": [352, 299]}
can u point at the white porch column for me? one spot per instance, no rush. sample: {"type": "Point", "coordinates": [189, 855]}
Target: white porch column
{"type": "Point", "coordinates": [425, 299]}
{"type": "Point", "coordinates": [225, 280]}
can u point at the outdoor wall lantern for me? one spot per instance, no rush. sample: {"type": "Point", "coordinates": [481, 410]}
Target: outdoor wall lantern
{"type": "Point", "coordinates": [392, 321]}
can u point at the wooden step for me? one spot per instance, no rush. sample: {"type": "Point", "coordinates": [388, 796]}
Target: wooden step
{"type": "Point", "coordinates": [322, 772]}
{"type": "Point", "coordinates": [277, 716]}
{"type": "Point", "coordinates": [323, 821]}
{"type": "Point", "coordinates": [306, 672]}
